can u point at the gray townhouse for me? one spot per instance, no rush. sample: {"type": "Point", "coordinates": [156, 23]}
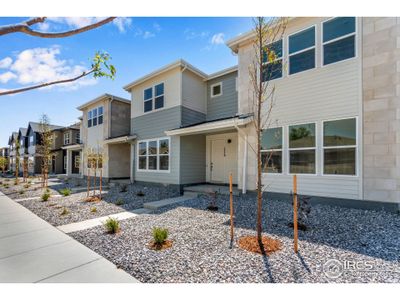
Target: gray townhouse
{"type": "Point", "coordinates": [183, 121]}
{"type": "Point", "coordinates": [23, 147]}
{"type": "Point", "coordinates": [12, 149]}
{"type": "Point", "coordinates": [336, 81]}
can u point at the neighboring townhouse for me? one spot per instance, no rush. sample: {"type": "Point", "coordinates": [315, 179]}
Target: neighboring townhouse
{"type": "Point", "coordinates": [336, 115]}
{"type": "Point", "coordinates": [34, 140]}
{"type": "Point", "coordinates": [105, 128]}
{"type": "Point", "coordinates": [185, 124]}
{"type": "Point", "coordinates": [4, 152]}
{"type": "Point", "coordinates": [12, 145]}
{"type": "Point", "coordinates": [65, 138]}
{"type": "Point", "coordinates": [23, 147]}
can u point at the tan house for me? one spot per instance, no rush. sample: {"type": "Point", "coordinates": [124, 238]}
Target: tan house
{"type": "Point", "coordinates": [106, 129]}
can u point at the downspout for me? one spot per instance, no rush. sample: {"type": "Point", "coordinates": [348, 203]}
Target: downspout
{"type": "Point", "coordinates": [110, 114]}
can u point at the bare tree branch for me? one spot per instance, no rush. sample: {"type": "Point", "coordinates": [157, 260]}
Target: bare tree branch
{"type": "Point", "coordinates": [25, 27]}
{"type": "Point", "coordinates": [38, 86]}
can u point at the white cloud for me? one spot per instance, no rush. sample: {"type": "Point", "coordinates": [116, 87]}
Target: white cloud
{"type": "Point", "coordinates": [7, 76]}
{"type": "Point", "coordinates": [122, 23]}
{"type": "Point", "coordinates": [157, 27]}
{"type": "Point", "coordinates": [5, 63]}
{"type": "Point", "coordinates": [148, 34]}
{"type": "Point", "coordinates": [39, 65]}
{"type": "Point", "coordinates": [191, 34]}
{"type": "Point", "coordinates": [217, 39]}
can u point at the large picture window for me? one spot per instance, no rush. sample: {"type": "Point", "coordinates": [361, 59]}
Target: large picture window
{"type": "Point", "coordinates": [153, 155]}
{"type": "Point", "coordinates": [302, 149]}
{"type": "Point", "coordinates": [340, 147]}
{"type": "Point", "coordinates": [271, 150]}
{"type": "Point", "coordinates": [272, 61]}
{"type": "Point", "coordinates": [302, 51]}
{"type": "Point", "coordinates": [339, 39]}
{"type": "Point", "coordinates": [153, 98]}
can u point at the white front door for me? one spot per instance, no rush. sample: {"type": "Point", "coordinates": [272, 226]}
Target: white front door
{"type": "Point", "coordinates": [217, 160]}
{"type": "Point", "coordinates": [223, 158]}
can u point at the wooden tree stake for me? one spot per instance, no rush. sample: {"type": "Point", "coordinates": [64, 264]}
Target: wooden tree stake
{"type": "Point", "coordinates": [231, 206]}
{"type": "Point", "coordinates": [295, 235]}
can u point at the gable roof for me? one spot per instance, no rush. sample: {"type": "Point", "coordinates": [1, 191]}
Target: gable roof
{"type": "Point", "coordinates": [36, 127]}
{"type": "Point", "coordinates": [103, 97]}
{"type": "Point", "coordinates": [13, 136]}
{"type": "Point", "coordinates": [178, 63]}
{"type": "Point", "coordinates": [22, 131]}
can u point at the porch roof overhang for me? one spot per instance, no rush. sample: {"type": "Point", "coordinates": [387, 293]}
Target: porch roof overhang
{"type": "Point", "coordinates": [120, 139]}
{"type": "Point", "coordinates": [73, 147]}
{"type": "Point", "coordinates": [211, 126]}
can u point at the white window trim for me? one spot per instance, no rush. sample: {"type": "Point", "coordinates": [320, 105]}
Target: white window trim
{"type": "Point", "coordinates": [303, 50]}
{"type": "Point", "coordinates": [212, 88]}
{"type": "Point", "coordinates": [66, 138]}
{"type": "Point", "coordinates": [158, 155]}
{"type": "Point", "coordinates": [277, 150]}
{"type": "Point", "coordinates": [340, 147]}
{"type": "Point", "coordinates": [277, 59]}
{"type": "Point", "coordinates": [153, 98]}
{"type": "Point", "coordinates": [337, 39]}
{"type": "Point", "coordinates": [315, 148]}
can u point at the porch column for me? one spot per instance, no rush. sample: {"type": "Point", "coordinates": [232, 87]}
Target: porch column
{"type": "Point", "coordinates": [68, 170]}
{"type": "Point", "coordinates": [244, 175]}
{"type": "Point", "coordinates": [132, 163]}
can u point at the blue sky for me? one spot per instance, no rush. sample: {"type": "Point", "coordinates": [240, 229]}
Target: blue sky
{"type": "Point", "coordinates": [137, 46]}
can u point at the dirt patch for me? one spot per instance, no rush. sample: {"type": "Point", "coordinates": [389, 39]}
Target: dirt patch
{"type": "Point", "coordinates": [266, 247]}
{"type": "Point", "coordinates": [154, 246]}
{"type": "Point", "coordinates": [92, 199]}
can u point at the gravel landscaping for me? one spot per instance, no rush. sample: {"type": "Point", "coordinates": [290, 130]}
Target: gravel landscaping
{"type": "Point", "coordinates": [20, 191]}
{"type": "Point", "coordinates": [201, 252]}
{"type": "Point", "coordinates": [136, 194]}
{"type": "Point", "coordinates": [78, 209]}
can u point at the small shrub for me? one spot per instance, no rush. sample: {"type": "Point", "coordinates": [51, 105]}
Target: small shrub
{"type": "Point", "coordinates": [47, 190]}
{"type": "Point", "coordinates": [64, 212]}
{"type": "Point", "coordinates": [65, 192]}
{"type": "Point", "coordinates": [45, 196]}
{"type": "Point", "coordinates": [93, 210]}
{"type": "Point", "coordinates": [21, 192]}
{"type": "Point", "coordinates": [15, 182]}
{"type": "Point", "coordinates": [7, 179]}
{"type": "Point", "coordinates": [123, 188]}
{"type": "Point", "coordinates": [6, 186]}
{"type": "Point", "coordinates": [140, 194]}
{"type": "Point", "coordinates": [26, 185]}
{"type": "Point", "coordinates": [119, 202]}
{"type": "Point", "coordinates": [112, 225]}
{"type": "Point", "coordinates": [160, 235]}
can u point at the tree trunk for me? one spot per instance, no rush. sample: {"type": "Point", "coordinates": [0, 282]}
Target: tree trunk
{"type": "Point", "coordinates": [101, 178]}
{"type": "Point", "coordinates": [88, 182]}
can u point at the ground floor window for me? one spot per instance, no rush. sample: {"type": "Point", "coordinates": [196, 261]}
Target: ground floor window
{"type": "Point", "coordinates": [154, 155]}
{"type": "Point", "coordinates": [271, 150]}
{"type": "Point", "coordinates": [339, 147]}
{"type": "Point", "coordinates": [302, 149]}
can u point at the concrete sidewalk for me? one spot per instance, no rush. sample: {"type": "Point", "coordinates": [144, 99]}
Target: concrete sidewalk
{"type": "Point", "coordinates": [31, 250]}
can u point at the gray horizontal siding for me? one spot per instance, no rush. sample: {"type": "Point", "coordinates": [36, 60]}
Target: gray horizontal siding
{"type": "Point", "coordinates": [193, 158]}
{"type": "Point", "coordinates": [225, 105]}
{"type": "Point", "coordinates": [153, 125]}
{"type": "Point", "coordinates": [190, 116]}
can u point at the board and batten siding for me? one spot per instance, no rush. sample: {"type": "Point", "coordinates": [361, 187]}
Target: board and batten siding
{"type": "Point", "coordinates": [226, 105]}
{"type": "Point", "coordinates": [320, 94]}
{"type": "Point", "coordinates": [193, 159]}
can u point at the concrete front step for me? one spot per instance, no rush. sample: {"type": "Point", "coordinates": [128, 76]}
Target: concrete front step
{"type": "Point", "coordinates": [157, 204]}
{"type": "Point", "coordinates": [210, 188]}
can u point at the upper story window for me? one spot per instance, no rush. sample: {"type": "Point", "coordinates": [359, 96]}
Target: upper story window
{"type": "Point", "coordinates": [78, 137]}
{"type": "Point", "coordinates": [66, 138]}
{"type": "Point", "coordinates": [339, 39]}
{"type": "Point", "coordinates": [302, 51]}
{"type": "Point", "coordinates": [31, 140]}
{"type": "Point", "coordinates": [95, 116]}
{"type": "Point", "coordinates": [216, 89]}
{"type": "Point", "coordinates": [153, 98]}
{"type": "Point", "coordinates": [271, 150]}
{"type": "Point", "coordinates": [272, 61]}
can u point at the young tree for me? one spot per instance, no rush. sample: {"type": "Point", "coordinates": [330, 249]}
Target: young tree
{"type": "Point", "coordinates": [44, 149]}
{"type": "Point", "coordinates": [25, 168]}
{"type": "Point", "coordinates": [3, 164]}
{"type": "Point", "coordinates": [261, 96]}
{"type": "Point", "coordinates": [99, 68]}
{"type": "Point", "coordinates": [17, 159]}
